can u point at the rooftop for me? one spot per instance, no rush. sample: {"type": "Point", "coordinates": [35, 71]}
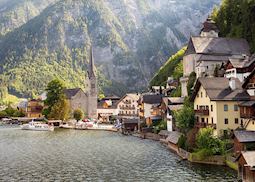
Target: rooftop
{"type": "Point", "coordinates": [173, 137]}
{"type": "Point", "coordinates": [249, 158]}
{"type": "Point", "coordinates": [244, 136]}
{"type": "Point", "coordinates": [152, 99]}
{"type": "Point", "coordinates": [218, 46]}
{"type": "Point", "coordinates": [71, 92]}
{"type": "Point", "coordinates": [217, 88]}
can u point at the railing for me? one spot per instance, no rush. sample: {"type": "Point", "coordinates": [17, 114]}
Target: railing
{"type": "Point", "coordinates": [247, 115]}
{"type": "Point", "coordinates": [204, 112]}
{"type": "Point", "coordinates": [135, 115]}
{"type": "Point", "coordinates": [205, 125]}
{"type": "Point", "coordinates": [127, 108]}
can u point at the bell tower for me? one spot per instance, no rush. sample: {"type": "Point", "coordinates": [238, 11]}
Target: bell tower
{"type": "Point", "coordinates": [92, 84]}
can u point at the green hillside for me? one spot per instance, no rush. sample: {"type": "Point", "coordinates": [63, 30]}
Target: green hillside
{"type": "Point", "coordinates": [173, 67]}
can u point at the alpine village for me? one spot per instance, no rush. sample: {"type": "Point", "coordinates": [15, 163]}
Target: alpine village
{"type": "Point", "coordinates": [200, 104]}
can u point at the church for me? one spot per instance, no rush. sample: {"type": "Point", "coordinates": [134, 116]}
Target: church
{"type": "Point", "coordinates": [85, 100]}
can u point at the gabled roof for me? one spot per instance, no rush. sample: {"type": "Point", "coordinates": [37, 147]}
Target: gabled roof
{"type": "Point", "coordinates": [246, 81]}
{"type": "Point", "coordinates": [241, 61]}
{"type": "Point", "coordinates": [71, 92]}
{"type": "Point", "coordinates": [152, 99]}
{"type": "Point", "coordinates": [176, 100]}
{"type": "Point", "coordinates": [218, 89]}
{"type": "Point", "coordinates": [249, 158]}
{"type": "Point", "coordinates": [244, 136]}
{"type": "Point", "coordinates": [217, 46]}
{"type": "Point", "coordinates": [173, 137]}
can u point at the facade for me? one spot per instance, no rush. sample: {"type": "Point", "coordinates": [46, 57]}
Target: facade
{"type": "Point", "coordinates": [34, 109]}
{"type": "Point", "coordinates": [86, 101]}
{"type": "Point", "coordinates": [216, 103]}
{"type": "Point", "coordinates": [246, 166]}
{"type": "Point", "coordinates": [128, 106]}
{"type": "Point", "coordinates": [239, 66]}
{"type": "Point", "coordinates": [107, 109]}
{"type": "Point", "coordinates": [150, 107]}
{"type": "Point", "coordinates": [207, 51]}
{"type": "Point", "coordinates": [249, 84]}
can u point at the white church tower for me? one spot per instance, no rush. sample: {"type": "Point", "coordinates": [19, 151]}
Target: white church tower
{"type": "Point", "coordinates": [92, 91]}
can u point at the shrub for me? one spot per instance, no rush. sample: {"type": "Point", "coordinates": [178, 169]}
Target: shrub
{"type": "Point", "coordinates": [78, 114]}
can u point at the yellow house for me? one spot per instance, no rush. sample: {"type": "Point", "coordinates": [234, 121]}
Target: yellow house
{"type": "Point", "coordinates": [34, 108]}
{"type": "Point", "coordinates": [216, 103]}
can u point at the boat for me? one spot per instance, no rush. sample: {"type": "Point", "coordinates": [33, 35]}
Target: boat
{"type": "Point", "coordinates": [37, 126]}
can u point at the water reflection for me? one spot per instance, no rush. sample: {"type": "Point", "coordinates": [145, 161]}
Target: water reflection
{"type": "Point", "coordinates": [68, 155]}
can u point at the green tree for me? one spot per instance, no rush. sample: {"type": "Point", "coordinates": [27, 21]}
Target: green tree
{"type": "Point", "coordinates": [185, 118]}
{"type": "Point", "coordinates": [55, 91]}
{"type": "Point", "coordinates": [60, 110]}
{"type": "Point", "coordinates": [191, 81]}
{"type": "Point", "coordinates": [78, 114]}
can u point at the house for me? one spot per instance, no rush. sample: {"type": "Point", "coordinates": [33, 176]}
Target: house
{"type": "Point", "coordinates": [128, 106]}
{"type": "Point", "coordinates": [246, 166]}
{"type": "Point", "coordinates": [244, 141]}
{"type": "Point", "coordinates": [107, 108]}
{"type": "Point", "coordinates": [247, 114]}
{"type": "Point", "coordinates": [206, 51]}
{"type": "Point", "coordinates": [86, 101]}
{"type": "Point", "coordinates": [150, 107]}
{"type": "Point", "coordinates": [249, 84]}
{"type": "Point", "coordinates": [216, 103]}
{"type": "Point", "coordinates": [239, 66]}
{"type": "Point", "coordinates": [172, 140]}
{"type": "Point", "coordinates": [130, 125]}
{"type": "Point", "coordinates": [170, 105]}
{"type": "Point", "coordinates": [77, 99]}
{"type": "Point", "coordinates": [34, 108]}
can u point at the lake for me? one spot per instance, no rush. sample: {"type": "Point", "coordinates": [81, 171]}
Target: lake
{"type": "Point", "coordinates": [76, 155]}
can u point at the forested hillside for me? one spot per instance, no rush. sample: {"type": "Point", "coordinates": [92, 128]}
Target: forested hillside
{"type": "Point", "coordinates": [45, 39]}
{"type": "Point", "coordinates": [236, 18]}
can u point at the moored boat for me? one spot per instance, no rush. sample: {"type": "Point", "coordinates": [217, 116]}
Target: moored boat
{"type": "Point", "coordinates": [37, 126]}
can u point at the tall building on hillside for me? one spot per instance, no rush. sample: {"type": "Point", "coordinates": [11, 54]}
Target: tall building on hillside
{"type": "Point", "coordinates": [85, 100]}
{"type": "Point", "coordinates": [208, 51]}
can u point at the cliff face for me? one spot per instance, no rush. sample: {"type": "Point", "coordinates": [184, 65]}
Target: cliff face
{"type": "Point", "coordinates": [131, 40]}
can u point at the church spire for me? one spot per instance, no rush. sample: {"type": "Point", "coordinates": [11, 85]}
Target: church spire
{"type": "Point", "coordinates": [91, 64]}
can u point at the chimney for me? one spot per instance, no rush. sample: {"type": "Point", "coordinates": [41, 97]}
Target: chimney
{"type": "Point", "coordinates": [232, 83]}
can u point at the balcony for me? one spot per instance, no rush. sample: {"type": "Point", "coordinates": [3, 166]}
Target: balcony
{"type": "Point", "coordinates": [127, 108]}
{"type": "Point", "coordinates": [205, 125]}
{"type": "Point", "coordinates": [247, 115]}
{"type": "Point", "coordinates": [202, 112]}
{"type": "Point", "coordinates": [130, 115]}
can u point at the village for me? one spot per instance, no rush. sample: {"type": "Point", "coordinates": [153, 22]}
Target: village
{"type": "Point", "coordinates": [213, 122]}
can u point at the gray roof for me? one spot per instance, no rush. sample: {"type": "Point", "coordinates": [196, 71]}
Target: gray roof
{"type": "Point", "coordinates": [217, 88]}
{"type": "Point", "coordinates": [152, 99]}
{"type": "Point", "coordinates": [176, 100]}
{"type": "Point", "coordinates": [173, 137]}
{"type": "Point", "coordinates": [219, 46]}
{"type": "Point", "coordinates": [203, 57]}
{"type": "Point", "coordinates": [247, 103]}
{"type": "Point", "coordinates": [164, 133]}
{"type": "Point", "coordinates": [249, 158]}
{"type": "Point", "coordinates": [244, 136]}
{"type": "Point", "coordinates": [175, 107]}
{"type": "Point", "coordinates": [130, 121]}
{"type": "Point", "coordinates": [241, 61]}
{"type": "Point", "coordinates": [71, 92]}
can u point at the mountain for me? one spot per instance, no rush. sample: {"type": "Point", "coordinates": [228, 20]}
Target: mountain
{"type": "Point", "coordinates": [131, 39]}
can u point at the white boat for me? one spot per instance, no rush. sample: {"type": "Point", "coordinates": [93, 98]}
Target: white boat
{"type": "Point", "coordinates": [37, 126]}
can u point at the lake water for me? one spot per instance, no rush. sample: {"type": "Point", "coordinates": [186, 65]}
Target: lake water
{"type": "Point", "coordinates": [74, 155]}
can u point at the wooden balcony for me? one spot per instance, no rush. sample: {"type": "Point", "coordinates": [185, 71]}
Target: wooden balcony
{"type": "Point", "coordinates": [127, 108]}
{"type": "Point", "coordinates": [205, 125]}
{"type": "Point", "coordinates": [131, 115]}
{"type": "Point", "coordinates": [247, 115]}
{"type": "Point", "coordinates": [202, 112]}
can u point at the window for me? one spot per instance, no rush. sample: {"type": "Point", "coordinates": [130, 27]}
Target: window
{"type": "Point", "coordinates": [225, 107]}
{"type": "Point", "coordinates": [197, 95]}
{"type": "Point", "coordinates": [201, 94]}
{"type": "Point", "coordinates": [211, 108]}
{"type": "Point", "coordinates": [236, 121]}
{"type": "Point", "coordinates": [202, 120]}
{"type": "Point", "coordinates": [197, 107]}
{"type": "Point", "coordinates": [207, 120]}
{"type": "Point", "coordinates": [212, 120]}
{"type": "Point", "coordinates": [226, 121]}
{"type": "Point", "coordinates": [235, 107]}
